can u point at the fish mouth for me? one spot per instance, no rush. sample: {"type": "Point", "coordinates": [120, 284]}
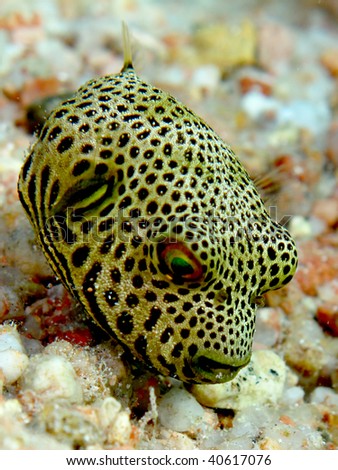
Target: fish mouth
{"type": "Point", "coordinates": [216, 370]}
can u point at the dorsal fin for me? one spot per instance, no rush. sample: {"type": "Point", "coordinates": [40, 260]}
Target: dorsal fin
{"type": "Point", "coordinates": [128, 59]}
{"type": "Point", "coordinates": [269, 184]}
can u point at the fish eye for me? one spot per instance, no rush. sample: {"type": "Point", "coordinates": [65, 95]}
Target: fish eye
{"type": "Point", "coordinates": [178, 262]}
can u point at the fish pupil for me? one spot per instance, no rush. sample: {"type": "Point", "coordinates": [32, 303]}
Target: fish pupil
{"type": "Point", "coordinates": [181, 267]}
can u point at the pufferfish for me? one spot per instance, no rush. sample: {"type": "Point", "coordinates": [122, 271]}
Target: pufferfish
{"type": "Point", "coordinates": [154, 226]}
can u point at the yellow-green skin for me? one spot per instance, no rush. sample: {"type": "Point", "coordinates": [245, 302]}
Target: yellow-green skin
{"type": "Point", "coordinates": [154, 225]}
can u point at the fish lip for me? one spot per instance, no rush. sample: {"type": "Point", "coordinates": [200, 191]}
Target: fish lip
{"type": "Point", "coordinates": [210, 370]}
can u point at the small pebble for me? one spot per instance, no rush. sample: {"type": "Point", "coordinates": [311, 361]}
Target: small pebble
{"type": "Point", "coordinates": [253, 79]}
{"type": "Point", "coordinates": [327, 317]}
{"type": "Point", "coordinates": [52, 377]}
{"type": "Point", "coordinates": [258, 106]}
{"type": "Point", "coordinates": [326, 396]}
{"type": "Point", "coordinates": [116, 422]}
{"type": "Point", "coordinates": [11, 407]}
{"type": "Point", "coordinates": [261, 382]}
{"type": "Point", "coordinates": [300, 227]}
{"type": "Point", "coordinates": [13, 359]}
{"type": "Point", "coordinates": [120, 430]}
{"type": "Point", "coordinates": [73, 425]}
{"type": "Point", "coordinates": [206, 78]}
{"type": "Point", "coordinates": [236, 44]}
{"type": "Point", "coordinates": [108, 411]}
{"type": "Point", "coordinates": [178, 410]}
{"type": "Point", "coordinates": [293, 395]}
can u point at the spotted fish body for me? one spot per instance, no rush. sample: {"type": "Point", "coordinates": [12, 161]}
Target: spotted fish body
{"type": "Point", "coordinates": [154, 225]}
